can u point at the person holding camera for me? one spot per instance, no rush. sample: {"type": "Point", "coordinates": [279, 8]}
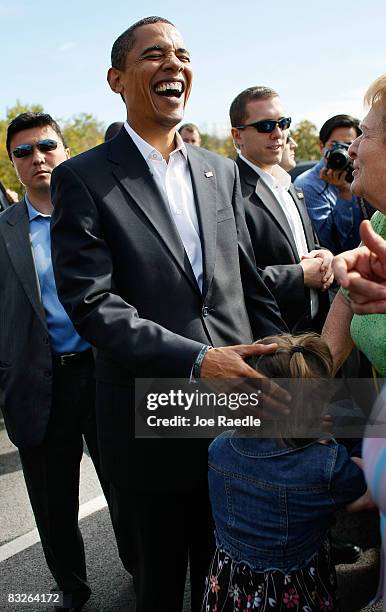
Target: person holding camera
{"type": "Point", "coordinates": [334, 211]}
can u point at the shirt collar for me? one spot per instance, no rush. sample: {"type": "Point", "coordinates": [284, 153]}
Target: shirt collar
{"type": "Point", "coordinates": [32, 212]}
{"type": "Point", "coordinates": [278, 178]}
{"type": "Point", "coordinates": [148, 151]}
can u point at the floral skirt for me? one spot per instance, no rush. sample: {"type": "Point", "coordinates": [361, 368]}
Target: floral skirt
{"type": "Point", "coordinates": [235, 587]}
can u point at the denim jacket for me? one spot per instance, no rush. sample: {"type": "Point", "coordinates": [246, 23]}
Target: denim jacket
{"type": "Point", "coordinates": [272, 506]}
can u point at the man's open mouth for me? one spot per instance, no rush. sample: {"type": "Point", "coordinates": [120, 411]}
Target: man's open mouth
{"type": "Point", "coordinates": [169, 89]}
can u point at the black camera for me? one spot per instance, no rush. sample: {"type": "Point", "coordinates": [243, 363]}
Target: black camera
{"type": "Point", "coordinates": [337, 158]}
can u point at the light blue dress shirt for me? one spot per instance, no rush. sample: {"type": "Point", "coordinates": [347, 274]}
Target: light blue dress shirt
{"type": "Point", "coordinates": [63, 337]}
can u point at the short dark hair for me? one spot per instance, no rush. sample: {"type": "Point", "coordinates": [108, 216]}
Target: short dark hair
{"type": "Point", "coordinates": [338, 121]}
{"type": "Point", "coordinates": [26, 121]}
{"type": "Point", "coordinates": [237, 111]}
{"type": "Point", "coordinates": [125, 42]}
{"type": "Point", "coordinates": [191, 127]}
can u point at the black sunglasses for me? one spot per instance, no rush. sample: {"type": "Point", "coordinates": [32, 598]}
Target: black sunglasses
{"type": "Point", "coordinates": [266, 126]}
{"type": "Point", "coordinates": [45, 145]}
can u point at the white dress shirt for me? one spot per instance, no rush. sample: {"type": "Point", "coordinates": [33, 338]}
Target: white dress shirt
{"type": "Point", "coordinates": [279, 183]}
{"type": "Point", "coordinates": [174, 181]}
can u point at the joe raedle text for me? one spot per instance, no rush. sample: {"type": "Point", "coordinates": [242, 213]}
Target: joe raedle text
{"type": "Point", "coordinates": [198, 421]}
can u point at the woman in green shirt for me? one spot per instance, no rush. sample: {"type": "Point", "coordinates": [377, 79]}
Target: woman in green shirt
{"type": "Point", "coordinates": [343, 330]}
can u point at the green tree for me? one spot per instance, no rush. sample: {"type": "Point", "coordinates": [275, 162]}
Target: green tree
{"type": "Point", "coordinates": [82, 132]}
{"type": "Point", "coordinates": [222, 146]}
{"type": "Point", "coordinates": [307, 138]}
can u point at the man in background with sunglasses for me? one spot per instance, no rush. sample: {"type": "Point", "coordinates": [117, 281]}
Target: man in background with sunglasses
{"type": "Point", "coordinates": [296, 270]}
{"type": "Point", "coordinates": [46, 369]}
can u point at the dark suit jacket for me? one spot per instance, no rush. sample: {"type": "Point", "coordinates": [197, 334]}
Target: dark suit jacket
{"type": "Point", "coordinates": [25, 355]}
{"type": "Point", "coordinates": [126, 282]}
{"type": "Point", "coordinates": [276, 253]}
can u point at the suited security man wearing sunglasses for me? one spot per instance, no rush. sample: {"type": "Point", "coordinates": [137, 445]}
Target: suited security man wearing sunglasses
{"type": "Point", "coordinates": [296, 270]}
{"type": "Point", "coordinates": [46, 369]}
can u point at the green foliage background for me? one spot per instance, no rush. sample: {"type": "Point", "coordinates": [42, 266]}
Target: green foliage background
{"type": "Point", "coordinates": [84, 131]}
{"type": "Point", "coordinates": [307, 137]}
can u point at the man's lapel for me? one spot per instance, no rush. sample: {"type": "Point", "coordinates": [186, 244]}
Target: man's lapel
{"type": "Point", "coordinates": [298, 198]}
{"type": "Point", "coordinates": [133, 173]}
{"type": "Point", "coordinates": [18, 243]}
{"type": "Point", "coordinates": [268, 200]}
{"type": "Point", "coordinates": [205, 195]}
{"type": "Point", "coordinates": [256, 190]}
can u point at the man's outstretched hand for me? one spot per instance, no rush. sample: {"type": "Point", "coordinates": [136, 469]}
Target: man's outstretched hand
{"type": "Point", "coordinates": [229, 363]}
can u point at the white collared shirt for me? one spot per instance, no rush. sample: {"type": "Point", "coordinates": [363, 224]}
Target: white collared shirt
{"type": "Point", "coordinates": [279, 183]}
{"type": "Point", "coordinates": [174, 181]}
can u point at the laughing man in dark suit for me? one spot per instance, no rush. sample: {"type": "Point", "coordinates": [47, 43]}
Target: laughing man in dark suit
{"type": "Point", "coordinates": [154, 266]}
